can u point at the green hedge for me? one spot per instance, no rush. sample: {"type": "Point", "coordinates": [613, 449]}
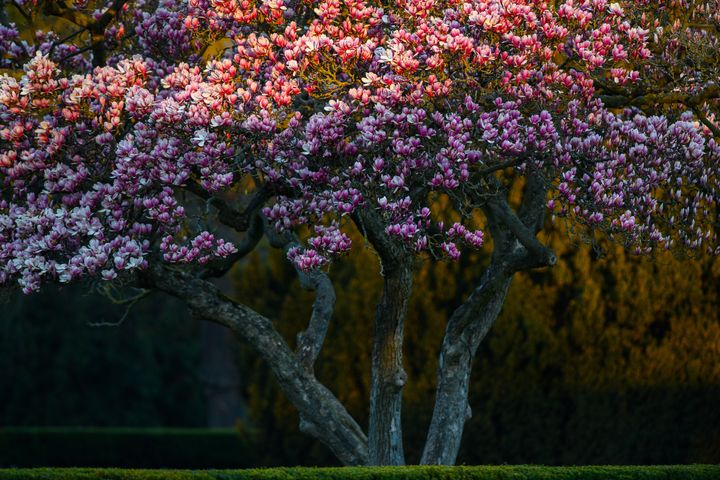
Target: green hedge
{"type": "Point", "coordinates": [126, 448]}
{"type": "Point", "coordinates": [687, 472]}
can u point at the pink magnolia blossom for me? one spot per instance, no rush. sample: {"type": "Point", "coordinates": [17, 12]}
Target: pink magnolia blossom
{"type": "Point", "coordinates": [363, 107]}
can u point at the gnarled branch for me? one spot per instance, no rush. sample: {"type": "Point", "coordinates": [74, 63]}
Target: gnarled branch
{"type": "Point", "coordinates": [233, 217]}
{"type": "Point", "coordinates": [310, 341]}
{"type": "Point", "coordinates": [710, 92]}
{"type": "Point", "coordinates": [498, 208]}
{"type": "Point", "coordinates": [516, 248]}
{"type": "Point", "coordinates": [323, 415]}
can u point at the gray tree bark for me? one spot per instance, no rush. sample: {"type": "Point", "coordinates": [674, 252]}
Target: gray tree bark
{"type": "Point", "coordinates": [515, 248]}
{"type": "Point", "coordinates": [466, 328]}
{"type": "Point", "coordinates": [322, 415]}
{"type": "Point", "coordinates": [388, 375]}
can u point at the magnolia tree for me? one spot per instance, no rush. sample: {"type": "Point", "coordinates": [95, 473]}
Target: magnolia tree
{"type": "Point", "coordinates": [136, 138]}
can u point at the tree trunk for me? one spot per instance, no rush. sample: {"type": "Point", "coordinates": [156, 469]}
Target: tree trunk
{"type": "Point", "coordinates": [322, 415]}
{"type": "Point", "coordinates": [466, 328]}
{"type": "Point", "coordinates": [388, 375]}
{"type": "Point", "coordinates": [516, 248]}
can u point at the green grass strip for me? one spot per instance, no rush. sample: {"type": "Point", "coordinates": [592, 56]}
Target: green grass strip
{"type": "Point", "coordinates": [670, 472]}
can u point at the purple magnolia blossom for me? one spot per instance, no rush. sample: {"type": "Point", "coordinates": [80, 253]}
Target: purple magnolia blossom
{"type": "Point", "coordinates": [96, 168]}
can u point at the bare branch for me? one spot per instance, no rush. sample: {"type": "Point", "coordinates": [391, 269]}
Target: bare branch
{"type": "Point", "coordinates": [65, 39]}
{"type": "Point", "coordinates": [498, 207]}
{"type": "Point", "coordinates": [239, 220]}
{"type": "Point", "coordinates": [711, 92]}
{"type": "Point", "coordinates": [129, 303]}
{"type": "Point", "coordinates": [310, 341]}
{"type": "Point", "coordinates": [75, 53]}
{"type": "Point", "coordinates": [106, 290]}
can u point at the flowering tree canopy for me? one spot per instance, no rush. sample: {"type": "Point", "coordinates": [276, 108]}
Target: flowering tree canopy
{"type": "Point", "coordinates": [130, 143]}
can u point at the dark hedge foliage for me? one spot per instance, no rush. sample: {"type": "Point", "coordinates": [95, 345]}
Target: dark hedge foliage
{"type": "Point", "coordinates": [125, 447]}
{"type": "Point", "coordinates": [59, 368]}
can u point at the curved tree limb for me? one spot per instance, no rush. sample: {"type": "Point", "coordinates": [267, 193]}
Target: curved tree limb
{"type": "Point", "coordinates": [711, 92]}
{"type": "Point", "coordinates": [323, 416]}
{"type": "Point", "coordinates": [310, 341]}
{"type": "Point", "coordinates": [524, 230]}
{"type": "Point", "coordinates": [228, 214]}
{"type": "Point", "coordinates": [516, 248]}
{"type": "Point", "coordinates": [452, 409]}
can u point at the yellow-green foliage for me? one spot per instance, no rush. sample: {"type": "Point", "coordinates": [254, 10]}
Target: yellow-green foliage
{"type": "Point", "coordinates": [627, 346]}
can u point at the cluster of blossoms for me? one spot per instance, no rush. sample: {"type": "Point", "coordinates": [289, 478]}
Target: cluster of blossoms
{"type": "Point", "coordinates": [161, 31]}
{"type": "Point", "coordinates": [382, 72]}
{"type": "Point", "coordinates": [645, 179]}
{"type": "Point", "coordinates": [362, 106]}
{"type": "Point", "coordinates": [327, 243]}
{"type": "Point", "coordinates": [15, 52]}
{"type": "Point", "coordinates": [85, 193]}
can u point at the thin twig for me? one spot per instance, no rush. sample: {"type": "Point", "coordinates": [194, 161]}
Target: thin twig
{"type": "Point", "coordinates": [128, 302]}
{"type": "Point", "coordinates": [112, 324]}
{"type": "Point", "coordinates": [25, 15]}
{"type": "Point", "coordinates": [63, 40]}
{"type": "Point", "coordinates": [78, 52]}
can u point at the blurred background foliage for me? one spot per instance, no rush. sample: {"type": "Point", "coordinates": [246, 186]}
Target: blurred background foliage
{"type": "Point", "coordinates": [606, 358]}
{"type": "Point", "coordinates": [56, 368]}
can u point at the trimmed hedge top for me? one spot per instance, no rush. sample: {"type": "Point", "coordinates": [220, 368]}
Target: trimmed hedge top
{"type": "Point", "coordinates": [671, 472]}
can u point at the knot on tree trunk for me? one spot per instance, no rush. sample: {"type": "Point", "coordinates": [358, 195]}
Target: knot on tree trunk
{"type": "Point", "coordinates": [399, 379]}
{"type": "Point", "coordinates": [308, 426]}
